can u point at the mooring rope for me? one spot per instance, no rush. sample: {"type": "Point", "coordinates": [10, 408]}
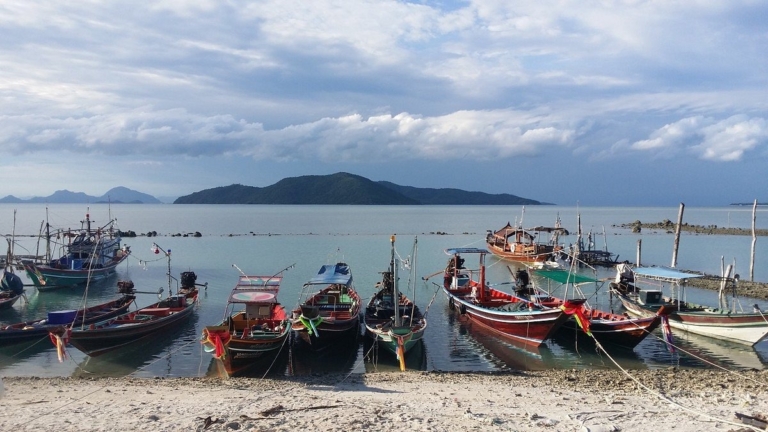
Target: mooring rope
{"type": "Point", "coordinates": [666, 398]}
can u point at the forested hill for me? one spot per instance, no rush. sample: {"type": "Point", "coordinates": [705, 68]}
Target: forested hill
{"type": "Point", "coordinates": [431, 196]}
{"type": "Point", "coordinates": [343, 188]}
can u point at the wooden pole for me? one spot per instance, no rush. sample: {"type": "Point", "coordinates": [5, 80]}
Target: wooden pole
{"type": "Point", "coordinates": [677, 234]}
{"type": "Point", "coordinates": [754, 242]}
{"type": "Point", "coordinates": [639, 250]}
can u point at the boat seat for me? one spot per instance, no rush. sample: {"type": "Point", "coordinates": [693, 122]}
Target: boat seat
{"type": "Point", "coordinates": [336, 307]}
{"type": "Point", "coordinates": [161, 312]}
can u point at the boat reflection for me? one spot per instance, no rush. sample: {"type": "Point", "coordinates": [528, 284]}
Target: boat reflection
{"type": "Point", "coordinates": [707, 352]}
{"type": "Point", "coordinates": [154, 357]}
{"type": "Point", "coordinates": [380, 360]}
{"type": "Point", "coordinates": [274, 366]}
{"type": "Point", "coordinates": [343, 358]}
{"type": "Point", "coordinates": [504, 354]}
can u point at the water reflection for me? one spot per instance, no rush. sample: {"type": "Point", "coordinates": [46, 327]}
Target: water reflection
{"type": "Point", "coordinates": [340, 358]}
{"type": "Point", "coordinates": [167, 354]}
{"type": "Point", "coordinates": [378, 359]}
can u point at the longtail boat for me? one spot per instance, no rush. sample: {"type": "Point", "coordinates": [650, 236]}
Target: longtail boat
{"type": "Point", "coordinates": [330, 315]}
{"type": "Point", "coordinates": [505, 314]}
{"type": "Point", "coordinates": [392, 320]}
{"type": "Point", "coordinates": [33, 330]}
{"type": "Point", "coordinates": [518, 244]}
{"type": "Point", "coordinates": [128, 328]}
{"type": "Point", "coordinates": [608, 328]}
{"type": "Point", "coordinates": [91, 256]}
{"type": "Point", "coordinates": [255, 326]}
{"type": "Point", "coordinates": [724, 321]}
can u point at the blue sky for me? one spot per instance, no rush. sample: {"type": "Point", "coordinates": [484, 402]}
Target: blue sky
{"type": "Point", "coordinates": [570, 102]}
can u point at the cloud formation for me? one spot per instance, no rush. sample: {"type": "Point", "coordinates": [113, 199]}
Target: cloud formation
{"type": "Point", "coordinates": [295, 82]}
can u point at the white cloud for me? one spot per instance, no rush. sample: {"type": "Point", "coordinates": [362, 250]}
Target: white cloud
{"type": "Point", "coordinates": [716, 140]}
{"type": "Point", "coordinates": [300, 82]}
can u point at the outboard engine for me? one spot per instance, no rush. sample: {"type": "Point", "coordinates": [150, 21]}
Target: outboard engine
{"type": "Point", "coordinates": [188, 279]}
{"type": "Point", "coordinates": [125, 287]}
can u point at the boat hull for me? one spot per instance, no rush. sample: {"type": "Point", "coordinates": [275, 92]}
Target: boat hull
{"type": "Point", "coordinates": [626, 333]}
{"type": "Point", "coordinates": [539, 254]}
{"type": "Point", "coordinates": [243, 354]}
{"type": "Point", "coordinates": [8, 301]}
{"type": "Point", "coordinates": [35, 330]}
{"type": "Point", "coordinates": [530, 328]}
{"type": "Point", "coordinates": [126, 329]}
{"type": "Point", "coordinates": [744, 328]}
{"type": "Point", "coordinates": [48, 278]}
{"type": "Point", "coordinates": [327, 318]}
{"type": "Point", "coordinates": [387, 339]}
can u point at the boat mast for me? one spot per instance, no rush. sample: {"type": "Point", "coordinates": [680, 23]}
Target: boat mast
{"type": "Point", "coordinates": [481, 293]}
{"type": "Point", "coordinates": [395, 292]}
{"type": "Point", "coordinates": [157, 249]}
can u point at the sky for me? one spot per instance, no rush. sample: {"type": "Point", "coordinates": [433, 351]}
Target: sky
{"type": "Point", "coordinates": [592, 103]}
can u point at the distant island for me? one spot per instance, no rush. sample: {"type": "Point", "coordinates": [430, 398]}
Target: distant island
{"type": "Point", "coordinates": [340, 188]}
{"type": "Point", "coordinates": [345, 188]}
{"type": "Point", "coordinates": [117, 195]}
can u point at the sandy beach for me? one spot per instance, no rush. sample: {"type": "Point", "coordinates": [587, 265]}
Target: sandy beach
{"type": "Point", "coordinates": [557, 400]}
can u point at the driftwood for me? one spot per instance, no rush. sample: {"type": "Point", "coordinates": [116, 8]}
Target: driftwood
{"type": "Point", "coordinates": [761, 423]}
{"type": "Point", "coordinates": [280, 408]}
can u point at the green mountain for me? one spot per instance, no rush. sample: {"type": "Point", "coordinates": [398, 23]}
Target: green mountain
{"type": "Point", "coordinates": [345, 188]}
{"type": "Point", "coordinates": [430, 196]}
{"type": "Point", "coordinates": [339, 188]}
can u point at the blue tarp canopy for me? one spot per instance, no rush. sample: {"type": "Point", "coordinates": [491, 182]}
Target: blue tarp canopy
{"type": "Point", "coordinates": [454, 251]}
{"type": "Point", "coordinates": [332, 274]}
{"type": "Point", "coordinates": [663, 273]}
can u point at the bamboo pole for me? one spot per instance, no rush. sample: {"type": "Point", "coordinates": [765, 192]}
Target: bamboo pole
{"type": "Point", "coordinates": [639, 250]}
{"type": "Point", "coordinates": [754, 242]}
{"type": "Point", "coordinates": [677, 234]}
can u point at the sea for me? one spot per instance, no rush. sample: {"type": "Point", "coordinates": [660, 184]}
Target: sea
{"type": "Point", "coordinates": [298, 240]}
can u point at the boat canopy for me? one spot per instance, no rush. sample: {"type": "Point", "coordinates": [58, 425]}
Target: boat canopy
{"type": "Point", "coordinates": [251, 296]}
{"type": "Point", "coordinates": [558, 230]}
{"type": "Point", "coordinates": [663, 274]}
{"type": "Point", "coordinates": [256, 289]}
{"type": "Point", "coordinates": [454, 251]}
{"type": "Point", "coordinates": [508, 231]}
{"type": "Point", "coordinates": [259, 281]}
{"type": "Point", "coordinates": [565, 277]}
{"type": "Point", "coordinates": [332, 274]}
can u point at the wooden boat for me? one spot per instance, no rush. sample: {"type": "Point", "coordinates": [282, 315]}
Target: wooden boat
{"type": "Point", "coordinates": [722, 322]}
{"type": "Point", "coordinates": [11, 289]}
{"type": "Point", "coordinates": [608, 328]}
{"type": "Point", "coordinates": [128, 328]}
{"type": "Point", "coordinates": [330, 315]}
{"type": "Point", "coordinates": [507, 315]}
{"type": "Point", "coordinates": [30, 331]}
{"type": "Point", "coordinates": [392, 320]}
{"type": "Point", "coordinates": [255, 326]}
{"type": "Point", "coordinates": [518, 244]}
{"type": "Point", "coordinates": [92, 256]}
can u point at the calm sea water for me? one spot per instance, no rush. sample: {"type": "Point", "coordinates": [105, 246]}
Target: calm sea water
{"type": "Point", "coordinates": [266, 239]}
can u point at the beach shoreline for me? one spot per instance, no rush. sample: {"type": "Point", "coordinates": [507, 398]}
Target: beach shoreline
{"type": "Point", "coordinates": [559, 400]}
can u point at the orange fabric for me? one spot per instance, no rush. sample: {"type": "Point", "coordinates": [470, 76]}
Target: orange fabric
{"type": "Point", "coordinates": [579, 313]}
{"type": "Point", "coordinates": [219, 340]}
{"type": "Point", "coordinates": [60, 341]}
